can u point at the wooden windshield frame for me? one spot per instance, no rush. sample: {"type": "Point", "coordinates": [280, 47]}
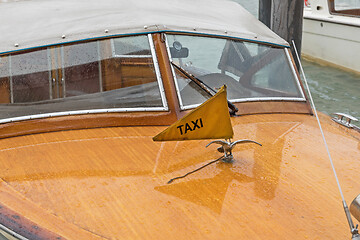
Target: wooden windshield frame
{"type": "Point", "coordinates": [154, 118]}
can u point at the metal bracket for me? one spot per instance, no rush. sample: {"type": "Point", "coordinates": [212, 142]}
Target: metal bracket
{"type": "Point", "coordinates": [345, 120]}
{"type": "Point", "coordinates": [227, 146]}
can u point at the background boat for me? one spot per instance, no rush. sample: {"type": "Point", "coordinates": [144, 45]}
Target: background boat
{"type": "Point", "coordinates": [332, 32]}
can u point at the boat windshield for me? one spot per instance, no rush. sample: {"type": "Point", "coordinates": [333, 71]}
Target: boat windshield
{"type": "Point", "coordinates": [116, 74]}
{"type": "Point", "coordinates": [252, 72]}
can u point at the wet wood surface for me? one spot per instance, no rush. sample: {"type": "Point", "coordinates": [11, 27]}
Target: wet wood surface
{"type": "Point", "coordinates": [111, 183]}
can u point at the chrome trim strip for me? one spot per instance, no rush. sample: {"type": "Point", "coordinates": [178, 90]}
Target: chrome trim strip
{"type": "Point", "coordinates": [292, 66]}
{"type": "Point", "coordinates": [131, 56]}
{"type": "Point", "coordinates": [50, 71]}
{"type": "Point", "coordinates": [11, 81]}
{"type": "Point", "coordinates": [190, 106]}
{"type": "Point", "coordinates": [80, 112]}
{"type": "Point", "coordinates": [63, 78]}
{"type": "Point", "coordinates": [263, 99]}
{"type": "Point", "coordinates": [157, 72]}
{"type": "Point", "coordinates": [12, 233]}
{"type": "Point", "coordinates": [258, 99]}
{"type": "Point", "coordinates": [57, 65]}
{"type": "Point", "coordinates": [112, 44]}
{"type": "Point", "coordinates": [182, 107]}
{"type": "Point", "coordinates": [99, 63]}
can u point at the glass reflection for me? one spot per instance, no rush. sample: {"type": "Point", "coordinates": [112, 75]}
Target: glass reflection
{"type": "Point", "coordinates": [112, 73]}
{"type": "Point", "coordinates": [250, 70]}
{"type": "Point", "coordinates": [260, 166]}
{"type": "Point", "coordinates": [30, 76]}
{"type": "Point", "coordinates": [81, 69]}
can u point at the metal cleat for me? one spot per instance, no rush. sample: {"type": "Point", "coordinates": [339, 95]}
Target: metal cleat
{"type": "Point", "coordinates": [345, 120]}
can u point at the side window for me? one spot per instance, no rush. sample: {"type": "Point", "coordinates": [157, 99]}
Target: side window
{"type": "Point", "coordinates": [116, 73]}
{"type": "Point", "coordinates": [29, 73]}
{"type": "Point", "coordinates": [137, 46]}
{"type": "Point", "coordinates": [251, 71]}
{"type": "Point", "coordinates": [80, 65]}
{"type": "Point", "coordinates": [277, 80]}
{"type": "Point", "coordinates": [130, 63]}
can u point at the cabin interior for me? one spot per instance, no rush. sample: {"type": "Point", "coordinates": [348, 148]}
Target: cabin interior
{"type": "Point", "coordinates": [72, 70]}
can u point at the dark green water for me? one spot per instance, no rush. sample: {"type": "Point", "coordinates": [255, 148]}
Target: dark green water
{"type": "Point", "coordinates": [333, 90]}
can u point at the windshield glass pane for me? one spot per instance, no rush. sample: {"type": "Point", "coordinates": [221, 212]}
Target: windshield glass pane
{"type": "Point", "coordinates": [131, 46]}
{"type": "Point", "coordinates": [106, 74]}
{"type": "Point", "coordinates": [30, 77]}
{"type": "Point", "coordinates": [250, 71]}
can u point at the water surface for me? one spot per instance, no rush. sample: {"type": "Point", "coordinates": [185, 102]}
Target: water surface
{"type": "Point", "coordinates": [333, 90]}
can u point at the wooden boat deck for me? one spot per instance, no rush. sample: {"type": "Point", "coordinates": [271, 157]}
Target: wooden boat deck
{"type": "Point", "coordinates": [100, 183]}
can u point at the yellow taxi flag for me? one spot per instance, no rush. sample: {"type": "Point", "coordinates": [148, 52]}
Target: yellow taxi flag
{"type": "Point", "coordinates": [211, 120]}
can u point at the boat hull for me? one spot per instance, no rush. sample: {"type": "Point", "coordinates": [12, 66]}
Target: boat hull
{"type": "Point", "coordinates": [332, 39]}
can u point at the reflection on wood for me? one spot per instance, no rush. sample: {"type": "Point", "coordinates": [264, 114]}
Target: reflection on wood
{"type": "Point", "coordinates": [267, 171]}
{"type": "Point", "coordinates": [100, 181]}
{"type": "Point", "coordinates": [194, 190]}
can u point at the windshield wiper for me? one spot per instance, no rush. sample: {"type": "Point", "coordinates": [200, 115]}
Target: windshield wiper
{"type": "Point", "coordinates": [207, 89]}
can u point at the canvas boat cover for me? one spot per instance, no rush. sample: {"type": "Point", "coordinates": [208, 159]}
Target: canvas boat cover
{"type": "Point", "coordinates": [28, 24]}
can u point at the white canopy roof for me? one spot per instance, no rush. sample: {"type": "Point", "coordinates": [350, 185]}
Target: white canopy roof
{"type": "Point", "coordinates": [35, 23]}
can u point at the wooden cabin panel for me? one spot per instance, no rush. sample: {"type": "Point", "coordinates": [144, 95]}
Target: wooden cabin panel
{"type": "Point", "coordinates": [133, 81]}
{"type": "Point", "coordinates": [85, 121]}
{"type": "Point", "coordinates": [111, 74]}
{"type": "Point", "coordinates": [4, 80]}
{"type": "Point", "coordinates": [137, 71]}
{"type": "Point", "coordinates": [126, 72]}
{"type": "Point", "coordinates": [137, 75]}
{"type": "Point", "coordinates": [4, 90]}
